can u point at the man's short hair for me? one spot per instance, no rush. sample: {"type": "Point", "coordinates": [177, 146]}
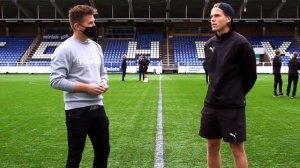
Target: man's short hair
{"type": "Point", "coordinates": [295, 54]}
{"type": "Point", "coordinates": [77, 13]}
{"type": "Point", "coordinates": [277, 52]}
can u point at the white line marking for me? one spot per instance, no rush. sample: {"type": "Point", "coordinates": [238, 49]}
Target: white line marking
{"type": "Point", "coordinates": [159, 151]}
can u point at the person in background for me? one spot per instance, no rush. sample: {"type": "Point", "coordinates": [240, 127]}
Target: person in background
{"type": "Point", "coordinates": [124, 66]}
{"type": "Point", "coordinates": [294, 67]}
{"type": "Point", "coordinates": [145, 64]}
{"type": "Point", "coordinates": [139, 62]}
{"type": "Point", "coordinates": [277, 74]}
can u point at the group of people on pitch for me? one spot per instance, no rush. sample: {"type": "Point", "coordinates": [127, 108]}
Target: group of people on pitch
{"type": "Point", "coordinates": [143, 63]}
{"type": "Point", "coordinates": [77, 68]}
{"type": "Point", "coordinates": [294, 67]}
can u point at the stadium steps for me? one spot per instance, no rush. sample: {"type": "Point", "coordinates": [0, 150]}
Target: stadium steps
{"type": "Point", "coordinates": [34, 48]}
{"type": "Point", "coordinates": [165, 58]}
{"type": "Point", "coordinates": [171, 52]}
{"type": "Point", "coordinates": [168, 62]}
{"type": "Point", "coordinates": [30, 49]}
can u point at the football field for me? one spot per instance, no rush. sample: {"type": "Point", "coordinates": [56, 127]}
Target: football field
{"type": "Point", "coordinates": [33, 131]}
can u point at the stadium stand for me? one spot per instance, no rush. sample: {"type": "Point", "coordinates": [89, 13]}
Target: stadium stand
{"type": "Point", "coordinates": [45, 50]}
{"type": "Point", "coordinates": [286, 44]}
{"type": "Point", "coordinates": [189, 50]}
{"type": "Point", "coordinates": [148, 44]}
{"type": "Point", "coordinates": [114, 50]}
{"type": "Point", "coordinates": [186, 55]}
{"type": "Point", "coordinates": [42, 58]}
{"type": "Point", "coordinates": [12, 48]}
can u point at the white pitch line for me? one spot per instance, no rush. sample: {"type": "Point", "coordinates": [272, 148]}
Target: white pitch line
{"type": "Point", "coordinates": [159, 150]}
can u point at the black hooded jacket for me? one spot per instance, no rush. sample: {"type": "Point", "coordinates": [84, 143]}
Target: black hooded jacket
{"type": "Point", "coordinates": [124, 64]}
{"type": "Point", "coordinates": [231, 66]}
{"type": "Point", "coordinates": [276, 65]}
{"type": "Point", "coordinates": [294, 66]}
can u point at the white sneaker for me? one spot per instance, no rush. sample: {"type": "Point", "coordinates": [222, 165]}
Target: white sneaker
{"type": "Point", "coordinates": [146, 80]}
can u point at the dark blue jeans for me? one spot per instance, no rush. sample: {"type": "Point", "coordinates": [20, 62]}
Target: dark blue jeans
{"type": "Point", "coordinates": [277, 81]}
{"type": "Point", "coordinates": [87, 121]}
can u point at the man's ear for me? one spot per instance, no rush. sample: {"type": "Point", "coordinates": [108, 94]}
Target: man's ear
{"type": "Point", "coordinates": [228, 19]}
{"type": "Point", "coordinates": [76, 26]}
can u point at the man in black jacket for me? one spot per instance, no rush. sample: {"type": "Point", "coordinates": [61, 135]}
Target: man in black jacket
{"type": "Point", "coordinates": [294, 67]}
{"type": "Point", "coordinates": [140, 64]}
{"type": "Point", "coordinates": [124, 66]}
{"type": "Point", "coordinates": [145, 63]}
{"type": "Point", "coordinates": [277, 75]}
{"type": "Point", "coordinates": [231, 66]}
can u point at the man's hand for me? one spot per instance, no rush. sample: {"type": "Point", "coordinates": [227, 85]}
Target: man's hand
{"type": "Point", "coordinates": [92, 89]}
{"type": "Point", "coordinates": [103, 87]}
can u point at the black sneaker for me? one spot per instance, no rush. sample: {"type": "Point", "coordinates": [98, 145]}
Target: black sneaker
{"type": "Point", "coordinates": [275, 95]}
{"type": "Point", "coordinates": [280, 94]}
{"type": "Point", "coordinates": [288, 95]}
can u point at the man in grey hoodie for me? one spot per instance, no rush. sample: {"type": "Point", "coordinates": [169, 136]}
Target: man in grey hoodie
{"type": "Point", "coordinates": [77, 68]}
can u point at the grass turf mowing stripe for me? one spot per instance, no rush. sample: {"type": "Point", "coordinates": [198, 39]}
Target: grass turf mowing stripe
{"type": "Point", "coordinates": [33, 131]}
{"type": "Point", "coordinates": [159, 152]}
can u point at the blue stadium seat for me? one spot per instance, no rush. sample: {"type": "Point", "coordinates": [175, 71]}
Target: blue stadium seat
{"type": "Point", "coordinates": [187, 50]}
{"type": "Point", "coordinates": [286, 44]}
{"type": "Point", "coordinates": [116, 48]}
{"type": "Point", "coordinates": [12, 48]}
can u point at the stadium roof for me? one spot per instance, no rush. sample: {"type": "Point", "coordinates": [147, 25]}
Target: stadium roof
{"type": "Point", "coordinates": [154, 10]}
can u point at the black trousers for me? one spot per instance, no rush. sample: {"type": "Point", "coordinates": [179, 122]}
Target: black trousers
{"type": "Point", "coordinates": [277, 81]}
{"type": "Point", "coordinates": [87, 121]}
{"type": "Point", "coordinates": [123, 73]}
{"type": "Point", "coordinates": [141, 72]}
{"type": "Point", "coordinates": [206, 76]}
{"type": "Point", "coordinates": [292, 79]}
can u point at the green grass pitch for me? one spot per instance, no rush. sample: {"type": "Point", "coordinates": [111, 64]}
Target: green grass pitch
{"type": "Point", "coordinates": [33, 132]}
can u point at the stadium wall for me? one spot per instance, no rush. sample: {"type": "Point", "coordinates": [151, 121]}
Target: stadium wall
{"type": "Point", "coordinates": [2, 30]}
{"type": "Point", "coordinates": [130, 69]}
{"type": "Point", "coordinates": [266, 29]}
{"type": "Point", "coordinates": [24, 29]}
{"type": "Point", "coordinates": [15, 69]}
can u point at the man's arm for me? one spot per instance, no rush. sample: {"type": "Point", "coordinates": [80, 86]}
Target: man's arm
{"type": "Point", "coordinates": [60, 67]}
{"type": "Point", "coordinates": [248, 66]}
{"type": "Point", "coordinates": [103, 74]}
